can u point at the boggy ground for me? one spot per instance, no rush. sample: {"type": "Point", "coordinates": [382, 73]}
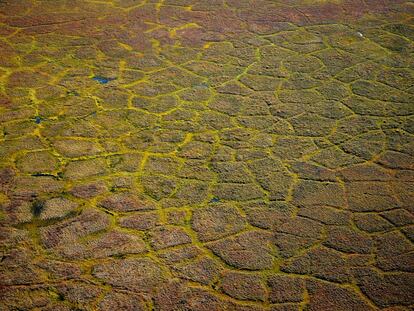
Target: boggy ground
{"type": "Point", "coordinates": [207, 155]}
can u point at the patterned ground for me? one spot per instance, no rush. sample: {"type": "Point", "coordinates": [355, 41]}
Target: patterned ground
{"type": "Point", "coordinates": [207, 155]}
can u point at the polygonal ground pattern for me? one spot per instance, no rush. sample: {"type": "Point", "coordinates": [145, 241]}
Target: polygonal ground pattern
{"type": "Point", "coordinates": [207, 155]}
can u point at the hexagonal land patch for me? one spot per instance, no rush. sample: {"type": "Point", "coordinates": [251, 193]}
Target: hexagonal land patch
{"type": "Point", "coordinates": [141, 274]}
{"type": "Point", "coordinates": [249, 250]}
